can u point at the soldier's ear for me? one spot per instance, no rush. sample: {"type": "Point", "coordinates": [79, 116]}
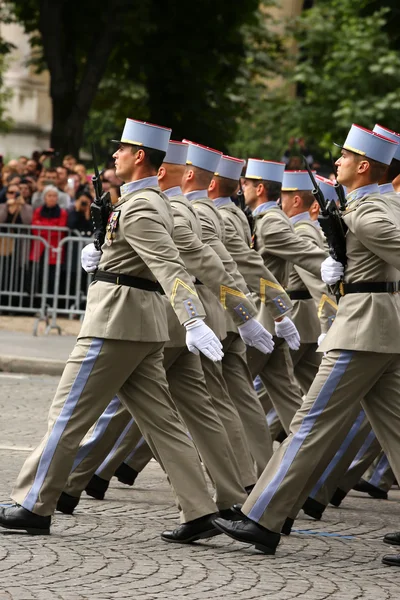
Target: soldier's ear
{"type": "Point", "coordinates": [212, 185]}
{"type": "Point", "coordinates": [363, 166]}
{"type": "Point", "coordinates": [161, 173]}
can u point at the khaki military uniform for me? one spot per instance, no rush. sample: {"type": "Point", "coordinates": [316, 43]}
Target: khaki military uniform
{"type": "Point", "coordinates": [213, 232]}
{"type": "Point", "coordinates": [234, 364]}
{"type": "Point", "coordinates": [185, 378]}
{"type": "Point", "coordinates": [279, 246]}
{"type": "Point", "coordinates": [362, 360]}
{"type": "Point", "coordinates": [312, 316]}
{"type": "Point", "coordinates": [120, 349]}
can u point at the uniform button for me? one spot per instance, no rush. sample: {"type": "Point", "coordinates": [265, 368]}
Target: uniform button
{"type": "Point", "coordinates": [247, 318]}
{"type": "Point", "coordinates": [193, 312]}
{"type": "Point", "coordinates": [241, 309]}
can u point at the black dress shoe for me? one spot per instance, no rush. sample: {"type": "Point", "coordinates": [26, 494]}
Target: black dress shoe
{"type": "Point", "coordinates": [67, 504]}
{"type": "Point", "coordinates": [198, 529]}
{"type": "Point", "coordinates": [287, 526]}
{"type": "Point", "coordinates": [393, 560]}
{"type": "Point", "coordinates": [97, 487]}
{"type": "Point", "coordinates": [238, 510]}
{"type": "Point", "coordinates": [125, 474]}
{"type": "Point", "coordinates": [17, 517]}
{"type": "Point", "coordinates": [392, 538]}
{"type": "Point", "coordinates": [231, 514]}
{"type": "Point", "coordinates": [313, 509]}
{"type": "Point", "coordinates": [249, 532]}
{"type": "Point", "coordinates": [338, 497]}
{"type": "Point", "coordinates": [371, 490]}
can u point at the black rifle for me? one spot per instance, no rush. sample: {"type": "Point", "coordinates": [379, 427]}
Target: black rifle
{"type": "Point", "coordinates": [100, 208]}
{"type": "Point", "coordinates": [338, 186]}
{"type": "Point", "coordinates": [331, 222]}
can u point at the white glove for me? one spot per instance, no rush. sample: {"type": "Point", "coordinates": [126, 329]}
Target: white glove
{"type": "Point", "coordinates": [90, 258]}
{"type": "Point", "coordinates": [321, 338]}
{"type": "Point", "coordinates": [331, 270]}
{"type": "Point", "coordinates": [287, 329]}
{"type": "Point", "coordinates": [200, 337]}
{"type": "Point", "coordinates": [254, 334]}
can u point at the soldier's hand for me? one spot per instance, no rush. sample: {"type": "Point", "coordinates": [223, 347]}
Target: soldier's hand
{"type": "Point", "coordinates": [199, 337]}
{"type": "Point", "coordinates": [321, 338]}
{"type": "Point", "coordinates": [90, 258]}
{"type": "Point", "coordinates": [287, 330]}
{"type": "Point", "coordinates": [331, 270]}
{"type": "Point", "coordinates": [254, 334]}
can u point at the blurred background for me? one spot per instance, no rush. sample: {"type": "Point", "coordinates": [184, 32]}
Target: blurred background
{"type": "Point", "coordinates": [268, 79]}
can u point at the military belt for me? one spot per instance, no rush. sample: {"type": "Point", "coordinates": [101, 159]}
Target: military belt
{"type": "Point", "coordinates": [299, 294]}
{"type": "Point", "coordinates": [369, 287]}
{"type": "Point", "coordinates": [128, 280]}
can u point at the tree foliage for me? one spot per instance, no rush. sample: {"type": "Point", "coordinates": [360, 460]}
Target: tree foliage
{"type": "Point", "coordinates": [344, 67]}
{"type": "Point", "coordinates": [175, 64]}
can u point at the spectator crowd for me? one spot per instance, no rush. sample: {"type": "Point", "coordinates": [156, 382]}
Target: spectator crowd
{"type": "Point", "coordinates": [34, 193]}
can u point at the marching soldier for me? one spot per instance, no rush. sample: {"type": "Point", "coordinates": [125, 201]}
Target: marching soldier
{"type": "Point", "coordinates": [314, 308]}
{"type": "Point", "coordinates": [264, 285]}
{"type": "Point", "coordinates": [184, 374]}
{"type": "Point", "coordinates": [362, 349]}
{"type": "Point", "coordinates": [120, 349]}
{"type": "Point", "coordinates": [279, 246]}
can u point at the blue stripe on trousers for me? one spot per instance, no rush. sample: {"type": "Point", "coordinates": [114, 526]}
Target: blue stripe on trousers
{"type": "Point", "coordinates": [115, 447]}
{"type": "Point", "coordinates": [300, 436]}
{"type": "Point", "coordinates": [381, 467]}
{"type": "Point", "coordinates": [132, 454]}
{"type": "Point", "coordinates": [70, 403]}
{"type": "Point", "coordinates": [97, 433]}
{"type": "Point", "coordinates": [370, 438]}
{"type": "Point", "coordinates": [339, 454]}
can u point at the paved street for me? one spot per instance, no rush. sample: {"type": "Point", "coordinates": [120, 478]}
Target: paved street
{"type": "Point", "coordinates": [112, 549]}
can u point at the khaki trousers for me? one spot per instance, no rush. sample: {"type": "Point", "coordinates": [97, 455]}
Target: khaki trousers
{"type": "Point", "coordinates": [96, 370]}
{"type": "Point", "coordinates": [306, 361]}
{"type": "Point", "coordinates": [190, 397]}
{"type": "Point", "coordinates": [321, 424]}
{"type": "Point", "coordinates": [241, 391]}
{"type": "Point", "coordinates": [276, 373]}
{"type": "Point", "coordinates": [229, 416]}
{"type": "Point", "coordinates": [380, 473]}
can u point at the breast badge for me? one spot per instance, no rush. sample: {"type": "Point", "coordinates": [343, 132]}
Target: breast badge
{"type": "Point", "coordinates": [112, 226]}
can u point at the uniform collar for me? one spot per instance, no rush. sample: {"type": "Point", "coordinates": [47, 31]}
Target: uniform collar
{"type": "Point", "coordinates": [222, 201]}
{"type": "Point", "coordinates": [134, 186]}
{"type": "Point", "coordinates": [304, 216]}
{"type": "Point", "coordinates": [174, 191]}
{"type": "Point", "coordinates": [372, 188]}
{"type": "Point", "coordinates": [264, 207]}
{"type": "Point", "coordinates": [386, 188]}
{"type": "Point", "coordinates": [196, 195]}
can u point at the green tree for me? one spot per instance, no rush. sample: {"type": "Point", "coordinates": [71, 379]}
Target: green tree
{"type": "Point", "coordinates": [171, 64]}
{"type": "Point", "coordinates": [345, 69]}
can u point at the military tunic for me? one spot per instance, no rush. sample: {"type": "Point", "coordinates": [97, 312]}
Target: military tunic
{"type": "Point", "coordinates": [120, 349]}
{"type": "Point", "coordinates": [362, 361]}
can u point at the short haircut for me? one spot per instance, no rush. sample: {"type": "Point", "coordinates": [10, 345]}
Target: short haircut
{"type": "Point", "coordinates": [153, 158]}
{"type": "Point", "coordinates": [203, 177]}
{"type": "Point", "coordinates": [51, 170]}
{"type": "Point", "coordinates": [227, 187]}
{"type": "Point", "coordinates": [50, 188]}
{"type": "Point", "coordinates": [306, 196]}
{"type": "Point", "coordinates": [272, 188]}
{"type": "Point", "coordinates": [394, 170]}
{"type": "Point", "coordinates": [377, 169]}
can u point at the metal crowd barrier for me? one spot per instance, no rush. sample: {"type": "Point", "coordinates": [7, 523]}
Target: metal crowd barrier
{"type": "Point", "coordinates": [41, 274]}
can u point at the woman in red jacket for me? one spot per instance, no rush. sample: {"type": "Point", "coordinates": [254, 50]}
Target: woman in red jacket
{"type": "Point", "coordinates": [49, 215]}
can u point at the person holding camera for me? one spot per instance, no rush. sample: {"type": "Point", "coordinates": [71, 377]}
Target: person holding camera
{"type": "Point", "coordinates": [79, 218]}
{"type": "Point", "coordinates": [15, 209]}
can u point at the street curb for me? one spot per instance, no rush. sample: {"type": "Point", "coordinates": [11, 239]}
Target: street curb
{"type": "Point", "coordinates": [31, 366]}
